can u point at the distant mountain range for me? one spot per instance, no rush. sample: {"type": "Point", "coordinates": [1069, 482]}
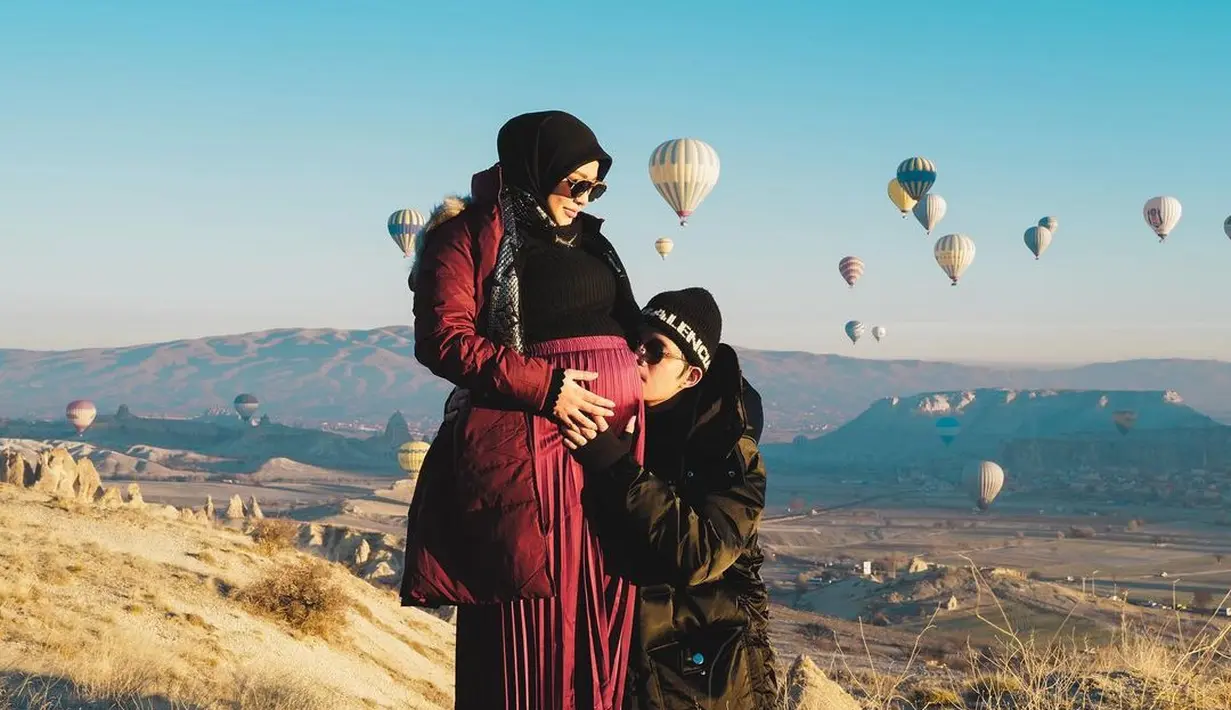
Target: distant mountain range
{"type": "Point", "coordinates": [319, 375]}
{"type": "Point", "coordinates": [903, 430]}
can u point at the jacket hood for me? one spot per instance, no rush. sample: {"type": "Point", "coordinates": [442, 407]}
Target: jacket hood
{"type": "Point", "coordinates": [727, 406]}
{"type": "Point", "coordinates": [484, 189]}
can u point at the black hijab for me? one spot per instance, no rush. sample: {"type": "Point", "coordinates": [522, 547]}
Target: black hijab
{"type": "Point", "coordinates": [537, 150]}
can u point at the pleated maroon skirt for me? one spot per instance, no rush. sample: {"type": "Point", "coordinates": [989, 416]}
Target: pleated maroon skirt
{"type": "Point", "coordinates": [569, 652]}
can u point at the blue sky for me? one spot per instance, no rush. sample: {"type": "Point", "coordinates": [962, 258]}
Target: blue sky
{"type": "Point", "coordinates": [182, 169]}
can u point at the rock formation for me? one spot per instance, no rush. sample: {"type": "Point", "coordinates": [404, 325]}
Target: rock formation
{"type": "Point", "coordinates": [254, 509]}
{"type": "Point", "coordinates": [14, 470]}
{"type": "Point", "coordinates": [111, 498]}
{"type": "Point", "coordinates": [235, 508]}
{"type": "Point", "coordinates": [210, 512]}
{"type": "Point", "coordinates": [134, 496]}
{"type": "Point", "coordinates": [808, 688]}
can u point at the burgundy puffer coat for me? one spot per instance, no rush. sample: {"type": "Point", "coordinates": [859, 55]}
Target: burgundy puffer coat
{"type": "Point", "coordinates": [475, 532]}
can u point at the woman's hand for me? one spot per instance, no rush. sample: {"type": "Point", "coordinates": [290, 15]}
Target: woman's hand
{"type": "Point", "coordinates": [576, 405]}
{"type": "Point", "coordinates": [574, 439]}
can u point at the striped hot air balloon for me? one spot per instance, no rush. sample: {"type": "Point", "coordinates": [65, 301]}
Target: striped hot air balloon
{"type": "Point", "coordinates": [80, 413]}
{"type": "Point", "coordinates": [411, 455]}
{"type": "Point", "coordinates": [1051, 223]}
{"type": "Point", "coordinates": [1162, 214]}
{"type": "Point", "coordinates": [948, 429]}
{"type": "Point", "coordinates": [878, 332]}
{"type": "Point", "coordinates": [854, 330]}
{"type": "Point", "coordinates": [851, 268]}
{"type": "Point", "coordinates": [684, 171]}
{"type": "Point", "coordinates": [917, 176]}
{"type": "Point", "coordinates": [930, 210]}
{"type": "Point", "coordinates": [1037, 240]}
{"type": "Point", "coordinates": [404, 227]}
{"type": "Point", "coordinates": [984, 479]}
{"type": "Point", "coordinates": [246, 406]}
{"type": "Point", "coordinates": [663, 245]}
{"type": "Point", "coordinates": [954, 253]}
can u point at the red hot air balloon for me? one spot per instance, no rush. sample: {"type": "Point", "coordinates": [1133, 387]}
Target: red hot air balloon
{"type": "Point", "coordinates": [81, 413]}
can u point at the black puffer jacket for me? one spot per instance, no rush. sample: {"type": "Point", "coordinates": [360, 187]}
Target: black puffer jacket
{"type": "Point", "coordinates": [687, 536]}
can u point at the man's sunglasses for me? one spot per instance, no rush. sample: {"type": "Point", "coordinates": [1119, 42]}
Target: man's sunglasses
{"type": "Point", "coordinates": [577, 188]}
{"type": "Point", "coordinates": [654, 351]}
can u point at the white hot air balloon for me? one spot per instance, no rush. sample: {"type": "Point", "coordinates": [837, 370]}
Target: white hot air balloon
{"type": "Point", "coordinates": [878, 332]}
{"type": "Point", "coordinates": [1162, 214]}
{"type": "Point", "coordinates": [983, 480]}
{"type": "Point", "coordinates": [930, 210]}
{"type": "Point", "coordinates": [1037, 240]}
{"type": "Point", "coordinates": [1051, 223]}
{"type": "Point", "coordinates": [854, 330]}
{"type": "Point", "coordinates": [684, 171]}
{"type": "Point", "coordinates": [663, 245]}
{"type": "Point", "coordinates": [954, 253]}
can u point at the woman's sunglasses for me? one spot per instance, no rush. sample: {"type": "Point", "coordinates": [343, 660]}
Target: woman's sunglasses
{"type": "Point", "coordinates": [577, 188]}
{"type": "Point", "coordinates": [654, 351]}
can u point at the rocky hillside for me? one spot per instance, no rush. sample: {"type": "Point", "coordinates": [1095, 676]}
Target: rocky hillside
{"type": "Point", "coordinates": [109, 601]}
{"type": "Point", "coordinates": [318, 375]}
{"type": "Point", "coordinates": [903, 430]}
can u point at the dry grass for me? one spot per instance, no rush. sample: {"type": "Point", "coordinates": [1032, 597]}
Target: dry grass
{"type": "Point", "coordinates": [272, 535]}
{"type": "Point", "coordinates": [303, 596]}
{"type": "Point", "coordinates": [1141, 669]}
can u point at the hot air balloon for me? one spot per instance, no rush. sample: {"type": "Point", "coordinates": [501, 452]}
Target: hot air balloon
{"type": "Point", "coordinates": [854, 330]}
{"type": "Point", "coordinates": [954, 252]}
{"type": "Point", "coordinates": [1162, 214]}
{"type": "Point", "coordinates": [797, 504]}
{"type": "Point", "coordinates": [1037, 240]}
{"type": "Point", "coordinates": [684, 170]}
{"type": "Point", "coordinates": [1125, 420]}
{"type": "Point", "coordinates": [1051, 223]}
{"type": "Point", "coordinates": [948, 428]}
{"type": "Point", "coordinates": [851, 268]}
{"type": "Point", "coordinates": [983, 479]}
{"type": "Point", "coordinates": [917, 175]}
{"type": "Point", "coordinates": [899, 198]}
{"type": "Point", "coordinates": [80, 413]}
{"type": "Point", "coordinates": [1226, 226]}
{"type": "Point", "coordinates": [878, 332]}
{"type": "Point", "coordinates": [404, 227]}
{"type": "Point", "coordinates": [930, 210]}
{"type": "Point", "coordinates": [663, 245]}
{"type": "Point", "coordinates": [246, 406]}
{"type": "Point", "coordinates": [411, 455]}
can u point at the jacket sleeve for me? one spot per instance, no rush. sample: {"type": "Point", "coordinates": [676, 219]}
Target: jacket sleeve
{"type": "Point", "coordinates": [447, 340]}
{"type": "Point", "coordinates": [696, 533]}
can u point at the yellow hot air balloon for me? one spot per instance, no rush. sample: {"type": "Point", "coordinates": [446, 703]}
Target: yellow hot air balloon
{"type": "Point", "coordinates": [904, 202]}
{"type": "Point", "coordinates": [411, 455]}
{"type": "Point", "coordinates": [664, 245]}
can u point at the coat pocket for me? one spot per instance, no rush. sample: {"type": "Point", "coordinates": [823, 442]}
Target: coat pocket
{"type": "Point", "coordinates": [711, 669]}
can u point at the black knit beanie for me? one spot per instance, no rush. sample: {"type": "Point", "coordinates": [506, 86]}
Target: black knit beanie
{"type": "Point", "coordinates": [691, 319]}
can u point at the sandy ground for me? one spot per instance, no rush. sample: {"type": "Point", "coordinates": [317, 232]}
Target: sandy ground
{"type": "Point", "coordinates": [132, 578]}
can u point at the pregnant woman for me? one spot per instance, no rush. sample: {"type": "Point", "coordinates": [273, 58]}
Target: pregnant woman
{"type": "Point", "coordinates": [523, 305]}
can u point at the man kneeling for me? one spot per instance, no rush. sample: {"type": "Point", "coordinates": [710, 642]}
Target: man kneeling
{"type": "Point", "coordinates": [684, 527]}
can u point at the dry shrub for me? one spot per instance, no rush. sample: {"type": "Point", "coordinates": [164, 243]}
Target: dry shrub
{"type": "Point", "coordinates": [267, 691]}
{"type": "Point", "coordinates": [302, 595]}
{"type": "Point", "coordinates": [273, 535]}
{"type": "Point", "coordinates": [935, 697]}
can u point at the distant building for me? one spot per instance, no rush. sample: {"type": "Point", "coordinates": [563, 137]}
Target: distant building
{"type": "Point", "coordinates": [867, 567]}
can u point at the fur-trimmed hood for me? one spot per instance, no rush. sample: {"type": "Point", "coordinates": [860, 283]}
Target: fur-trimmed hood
{"type": "Point", "coordinates": [450, 207]}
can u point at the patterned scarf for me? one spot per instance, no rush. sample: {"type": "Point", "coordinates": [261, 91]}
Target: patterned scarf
{"type": "Point", "coordinates": [521, 215]}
